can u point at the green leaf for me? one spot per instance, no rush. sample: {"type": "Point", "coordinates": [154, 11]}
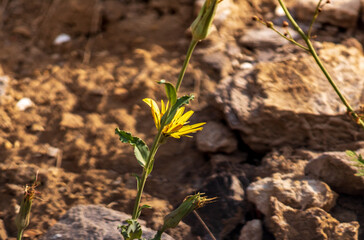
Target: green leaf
{"type": "Point", "coordinates": [350, 153]}
{"type": "Point", "coordinates": [132, 230]}
{"type": "Point", "coordinates": [179, 103]}
{"type": "Point", "coordinates": [141, 149]}
{"type": "Point", "coordinates": [359, 162]}
{"type": "Point", "coordinates": [138, 180]}
{"type": "Point", "coordinates": [170, 91]}
{"type": "Point", "coordinates": [141, 208]}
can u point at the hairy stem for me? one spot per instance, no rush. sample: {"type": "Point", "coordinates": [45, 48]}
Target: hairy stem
{"type": "Point", "coordinates": [320, 64]}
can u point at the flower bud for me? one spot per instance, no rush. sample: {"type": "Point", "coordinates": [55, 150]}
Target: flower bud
{"type": "Point", "coordinates": [23, 218]}
{"type": "Point", "coordinates": [190, 203]}
{"type": "Point", "coordinates": [200, 28]}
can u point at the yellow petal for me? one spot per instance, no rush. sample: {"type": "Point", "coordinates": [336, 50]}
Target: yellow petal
{"type": "Point", "coordinates": [155, 111]}
{"type": "Point", "coordinates": [183, 119]}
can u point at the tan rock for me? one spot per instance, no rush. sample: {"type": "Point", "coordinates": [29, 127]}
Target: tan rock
{"type": "Point", "coordinates": [288, 101]}
{"type": "Point", "coordinates": [338, 171]}
{"type": "Point", "coordinates": [216, 137]}
{"type": "Point", "coordinates": [252, 230]}
{"type": "Point", "coordinates": [70, 120]}
{"type": "Point", "coordinates": [299, 194]}
{"type": "Point", "coordinates": [313, 223]}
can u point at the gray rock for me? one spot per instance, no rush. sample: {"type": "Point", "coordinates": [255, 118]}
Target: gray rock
{"type": "Point", "coordinates": [216, 137]}
{"type": "Point", "coordinates": [299, 194]}
{"type": "Point", "coordinates": [252, 230]}
{"type": "Point", "coordinates": [290, 102]}
{"type": "Point", "coordinates": [337, 170]}
{"type": "Point", "coordinates": [312, 223]}
{"type": "Point", "coordinates": [341, 13]}
{"type": "Point", "coordinates": [92, 222]}
{"type": "Point", "coordinates": [264, 38]}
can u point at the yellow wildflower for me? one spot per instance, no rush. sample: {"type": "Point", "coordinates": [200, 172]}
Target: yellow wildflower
{"type": "Point", "coordinates": [177, 127]}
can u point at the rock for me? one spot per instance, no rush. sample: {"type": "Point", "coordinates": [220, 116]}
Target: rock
{"type": "Point", "coordinates": [284, 161]}
{"type": "Point", "coordinates": [4, 82]}
{"type": "Point", "coordinates": [252, 230]}
{"type": "Point", "coordinates": [227, 163]}
{"type": "Point", "coordinates": [62, 38]}
{"type": "Point", "coordinates": [219, 62]}
{"type": "Point", "coordinates": [92, 222]}
{"type": "Point", "coordinates": [299, 194]}
{"type": "Point", "coordinates": [216, 137]}
{"type": "Point", "coordinates": [289, 101]}
{"type": "Point", "coordinates": [337, 170]}
{"type": "Point", "coordinates": [341, 13]}
{"type": "Point", "coordinates": [24, 104]}
{"type": "Point", "coordinates": [23, 31]}
{"type": "Point", "coordinates": [113, 10]}
{"type": "Point", "coordinates": [3, 234]}
{"type": "Point", "coordinates": [264, 38]}
{"type": "Point", "coordinates": [228, 209]}
{"type": "Point", "coordinates": [312, 223]}
{"type": "Point", "coordinates": [72, 121]}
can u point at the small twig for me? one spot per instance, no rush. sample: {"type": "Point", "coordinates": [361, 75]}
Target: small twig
{"type": "Point", "coordinates": [289, 39]}
{"type": "Point", "coordinates": [204, 225]}
{"type": "Point", "coordinates": [317, 11]}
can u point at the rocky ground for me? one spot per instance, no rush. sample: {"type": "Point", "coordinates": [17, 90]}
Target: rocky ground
{"type": "Point", "coordinates": [273, 148]}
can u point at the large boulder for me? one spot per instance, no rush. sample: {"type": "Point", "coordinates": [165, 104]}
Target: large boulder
{"type": "Point", "coordinates": [338, 171]}
{"type": "Point", "coordinates": [93, 222]}
{"type": "Point", "coordinates": [288, 101]}
{"type": "Point", "coordinates": [297, 194]}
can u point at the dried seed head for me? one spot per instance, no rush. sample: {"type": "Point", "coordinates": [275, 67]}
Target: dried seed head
{"type": "Point", "coordinates": [319, 9]}
{"type": "Point", "coordinates": [255, 18]}
{"type": "Point", "coordinates": [285, 24]}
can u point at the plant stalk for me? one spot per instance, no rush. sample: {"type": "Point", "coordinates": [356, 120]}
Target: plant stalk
{"type": "Point", "coordinates": [20, 235]}
{"type": "Point", "coordinates": [185, 63]}
{"type": "Point", "coordinates": [156, 142]}
{"type": "Point", "coordinates": [320, 64]}
{"type": "Point", "coordinates": [152, 153]}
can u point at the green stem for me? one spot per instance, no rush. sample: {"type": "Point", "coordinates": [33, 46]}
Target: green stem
{"type": "Point", "coordinates": [20, 235]}
{"type": "Point", "coordinates": [314, 18]}
{"type": "Point", "coordinates": [158, 235]}
{"type": "Point", "coordinates": [185, 63]}
{"type": "Point", "coordinates": [290, 39]}
{"type": "Point", "coordinates": [145, 174]}
{"type": "Point", "coordinates": [320, 64]}
{"type": "Point", "coordinates": [157, 139]}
